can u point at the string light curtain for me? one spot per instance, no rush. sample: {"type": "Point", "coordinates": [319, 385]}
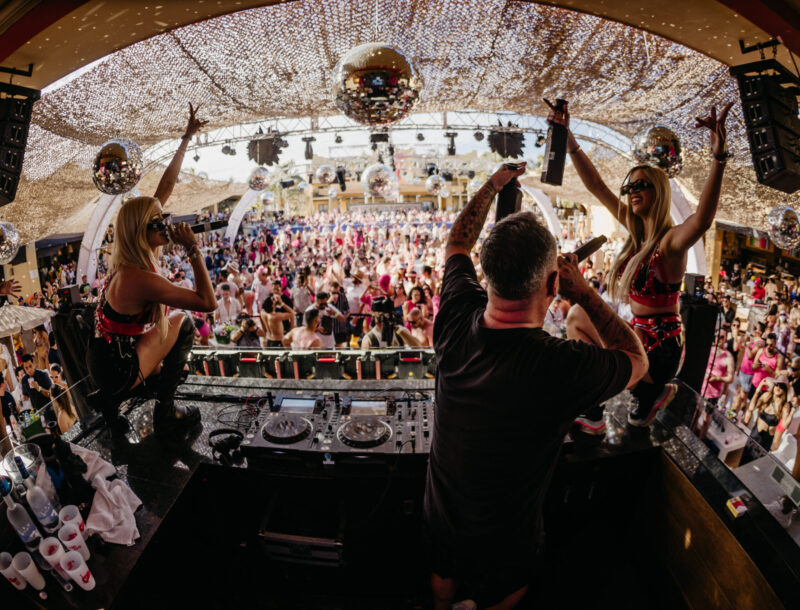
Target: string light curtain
{"type": "Point", "coordinates": [487, 55]}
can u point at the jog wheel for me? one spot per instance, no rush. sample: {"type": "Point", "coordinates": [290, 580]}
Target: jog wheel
{"type": "Point", "coordinates": [364, 432]}
{"type": "Point", "coordinates": [285, 429]}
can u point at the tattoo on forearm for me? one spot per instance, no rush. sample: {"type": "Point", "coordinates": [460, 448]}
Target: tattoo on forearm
{"type": "Point", "coordinates": [614, 332]}
{"type": "Point", "coordinates": [468, 225]}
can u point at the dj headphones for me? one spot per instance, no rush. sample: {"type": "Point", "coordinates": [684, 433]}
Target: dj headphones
{"type": "Point", "coordinates": [224, 443]}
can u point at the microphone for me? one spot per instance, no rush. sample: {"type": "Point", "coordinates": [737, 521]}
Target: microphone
{"type": "Point", "coordinates": [205, 227]}
{"type": "Point", "coordinates": [590, 247]}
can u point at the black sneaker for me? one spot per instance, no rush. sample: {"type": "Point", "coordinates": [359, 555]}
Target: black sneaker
{"type": "Point", "coordinates": [643, 416]}
{"type": "Point", "coordinates": [592, 421]}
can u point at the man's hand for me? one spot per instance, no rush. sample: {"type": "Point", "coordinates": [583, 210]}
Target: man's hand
{"type": "Point", "coordinates": [504, 175]}
{"type": "Point", "coordinates": [571, 283]}
{"type": "Point", "coordinates": [11, 287]}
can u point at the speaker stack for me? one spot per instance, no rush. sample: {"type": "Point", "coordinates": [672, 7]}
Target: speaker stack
{"type": "Point", "coordinates": [769, 103]}
{"type": "Point", "coordinates": [16, 107]}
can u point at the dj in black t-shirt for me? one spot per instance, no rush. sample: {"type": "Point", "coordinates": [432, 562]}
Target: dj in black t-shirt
{"type": "Point", "coordinates": [506, 395]}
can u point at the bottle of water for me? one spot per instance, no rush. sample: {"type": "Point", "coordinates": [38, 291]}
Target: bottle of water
{"type": "Point", "coordinates": [43, 509]}
{"type": "Point", "coordinates": [19, 518]}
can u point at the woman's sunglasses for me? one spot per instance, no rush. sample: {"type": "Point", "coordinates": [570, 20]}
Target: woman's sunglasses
{"type": "Point", "coordinates": [635, 187]}
{"type": "Point", "coordinates": [160, 224]}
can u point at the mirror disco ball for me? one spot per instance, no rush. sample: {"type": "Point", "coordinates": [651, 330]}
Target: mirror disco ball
{"type": "Point", "coordinates": [658, 146]}
{"type": "Point", "coordinates": [259, 179]}
{"type": "Point", "coordinates": [434, 184]}
{"type": "Point", "coordinates": [375, 84]}
{"type": "Point", "coordinates": [9, 242]}
{"type": "Point", "coordinates": [784, 227]}
{"type": "Point", "coordinates": [379, 180]}
{"type": "Point", "coordinates": [475, 185]}
{"type": "Point", "coordinates": [325, 174]}
{"type": "Point", "coordinates": [302, 186]}
{"type": "Point", "coordinates": [118, 166]}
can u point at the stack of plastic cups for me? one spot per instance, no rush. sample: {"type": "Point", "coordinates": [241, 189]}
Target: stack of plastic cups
{"type": "Point", "coordinates": [23, 563]}
{"type": "Point", "coordinates": [53, 551]}
{"type": "Point", "coordinates": [70, 515]}
{"type": "Point", "coordinates": [7, 570]}
{"type": "Point", "coordinates": [74, 564]}
{"type": "Point", "coordinates": [70, 535]}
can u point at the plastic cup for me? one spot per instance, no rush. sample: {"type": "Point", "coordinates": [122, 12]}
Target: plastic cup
{"type": "Point", "coordinates": [7, 570]}
{"type": "Point", "coordinates": [23, 563]}
{"type": "Point", "coordinates": [71, 515]}
{"type": "Point", "coordinates": [74, 565]}
{"type": "Point", "coordinates": [70, 535]}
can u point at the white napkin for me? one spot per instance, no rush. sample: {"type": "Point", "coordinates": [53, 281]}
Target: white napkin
{"type": "Point", "coordinates": [114, 502]}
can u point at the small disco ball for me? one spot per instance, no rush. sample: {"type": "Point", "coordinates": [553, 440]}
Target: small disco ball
{"type": "Point", "coordinates": [784, 227]}
{"type": "Point", "coordinates": [375, 84]}
{"type": "Point", "coordinates": [417, 180]}
{"type": "Point", "coordinates": [379, 180]}
{"type": "Point", "coordinates": [445, 192]}
{"type": "Point", "coordinates": [302, 186]}
{"type": "Point", "coordinates": [9, 242]}
{"type": "Point", "coordinates": [658, 146]}
{"type": "Point", "coordinates": [118, 166]}
{"type": "Point", "coordinates": [259, 179]}
{"type": "Point", "coordinates": [325, 174]}
{"type": "Point", "coordinates": [434, 184]}
{"type": "Point", "coordinates": [475, 184]}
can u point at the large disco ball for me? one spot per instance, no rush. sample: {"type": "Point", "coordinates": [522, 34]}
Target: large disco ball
{"type": "Point", "coordinates": [658, 146]}
{"type": "Point", "coordinates": [325, 174]}
{"type": "Point", "coordinates": [259, 179]}
{"type": "Point", "coordinates": [118, 166]}
{"type": "Point", "coordinates": [784, 227]}
{"type": "Point", "coordinates": [434, 184]}
{"type": "Point", "coordinates": [375, 84]}
{"type": "Point", "coordinates": [9, 242]}
{"type": "Point", "coordinates": [379, 180]}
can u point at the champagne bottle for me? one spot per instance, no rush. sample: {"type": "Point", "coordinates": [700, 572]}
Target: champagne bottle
{"type": "Point", "coordinates": [555, 152]}
{"type": "Point", "coordinates": [509, 199]}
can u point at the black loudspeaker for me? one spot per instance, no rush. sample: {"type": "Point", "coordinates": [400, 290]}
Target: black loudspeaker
{"type": "Point", "coordinates": [694, 284]}
{"type": "Point", "coordinates": [15, 117]}
{"type": "Point", "coordinates": [699, 321]}
{"type": "Point", "coordinates": [70, 294]}
{"type": "Point", "coordinates": [769, 104]}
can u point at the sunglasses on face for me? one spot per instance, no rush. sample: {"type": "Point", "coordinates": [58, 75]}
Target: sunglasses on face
{"type": "Point", "coordinates": [160, 224]}
{"type": "Point", "coordinates": [635, 187]}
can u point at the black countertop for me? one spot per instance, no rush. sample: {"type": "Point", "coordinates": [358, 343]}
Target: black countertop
{"type": "Point", "coordinates": [158, 470]}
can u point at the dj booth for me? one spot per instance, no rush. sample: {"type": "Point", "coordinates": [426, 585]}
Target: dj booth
{"type": "Point", "coordinates": [303, 489]}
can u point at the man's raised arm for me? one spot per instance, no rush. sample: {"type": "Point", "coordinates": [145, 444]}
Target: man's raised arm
{"type": "Point", "coordinates": [467, 227]}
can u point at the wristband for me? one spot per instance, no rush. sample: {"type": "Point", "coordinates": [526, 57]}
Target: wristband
{"type": "Point", "coordinates": [572, 152]}
{"type": "Point", "coordinates": [722, 158]}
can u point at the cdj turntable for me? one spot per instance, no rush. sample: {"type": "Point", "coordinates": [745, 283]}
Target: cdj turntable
{"type": "Point", "coordinates": [332, 425]}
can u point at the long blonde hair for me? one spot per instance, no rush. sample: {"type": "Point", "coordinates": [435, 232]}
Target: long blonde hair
{"type": "Point", "coordinates": [637, 244]}
{"type": "Point", "coordinates": [131, 247]}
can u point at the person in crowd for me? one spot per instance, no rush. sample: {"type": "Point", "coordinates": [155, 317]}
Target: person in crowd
{"type": "Point", "coordinates": [65, 411]}
{"type": "Point", "coordinates": [758, 293]}
{"type": "Point", "coordinates": [248, 334]}
{"type": "Point", "coordinates": [41, 352]}
{"type": "Point", "coordinates": [302, 295]}
{"type": "Point", "coordinates": [767, 361]}
{"type": "Point", "coordinates": [771, 401]}
{"type": "Point", "coordinates": [305, 336]}
{"type": "Point", "coordinates": [771, 289]}
{"type": "Point", "coordinates": [134, 337]}
{"type": "Point", "coordinates": [341, 327]}
{"type": "Point", "coordinates": [735, 340]}
{"type": "Point", "coordinates": [9, 406]}
{"type": "Point", "coordinates": [651, 265]}
{"type": "Point", "coordinates": [328, 315]}
{"type": "Point", "coordinates": [496, 364]}
{"type": "Point", "coordinates": [228, 308]}
{"type": "Point", "coordinates": [262, 287]}
{"type": "Point", "coordinates": [728, 311]}
{"type": "Point", "coordinates": [416, 300]}
{"type": "Point", "coordinates": [274, 312]}
{"type": "Point", "coordinates": [719, 370]}
{"type": "Point", "coordinates": [421, 328]}
{"type": "Point", "coordinates": [36, 387]}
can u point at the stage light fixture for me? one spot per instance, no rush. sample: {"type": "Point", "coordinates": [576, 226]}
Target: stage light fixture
{"type": "Point", "coordinates": [338, 139]}
{"type": "Point", "coordinates": [265, 150]}
{"type": "Point", "coordinates": [507, 143]}
{"type": "Point", "coordinates": [540, 140]}
{"type": "Point", "coordinates": [196, 157]}
{"type": "Point", "coordinates": [309, 154]}
{"type": "Point", "coordinates": [420, 136]}
{"type": "Point", "coordinates": [451, 147]}
{"type": "Point", "coordinates": [478, 135]}
{"type": "Point", "coordinates": [226, 150]}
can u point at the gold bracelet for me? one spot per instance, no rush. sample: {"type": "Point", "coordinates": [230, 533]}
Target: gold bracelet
{"type": "Point", "coordinates": [572, 152]}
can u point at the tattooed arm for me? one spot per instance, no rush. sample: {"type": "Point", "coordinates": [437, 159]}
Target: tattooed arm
{"type": "Point", "coordinates": [614, 332]}
{"type": "Point", "coordinates": [465, 230]}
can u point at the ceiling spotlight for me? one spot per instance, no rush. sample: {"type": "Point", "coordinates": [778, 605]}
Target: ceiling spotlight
{"type": "Point", "coordinates": [451, 146]}
{"type": "Point", "coordinates": [540, 140]}
{"type": "Point", "coordinates": [309, 152]}
{"type": "Point", "coordinates": [420, 136]}
{"type": "Point", "coordinates": [226, 150]}
{"type": "Point", "coordinates": [233, 151]}
{"type": "Point", "coordinates": [338, 139]}
{"type": "Point", "coordinates": [478, 135]}
{"type": "Point", "coordinates": [196, 157]}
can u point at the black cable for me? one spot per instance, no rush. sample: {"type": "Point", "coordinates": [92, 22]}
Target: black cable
{"type": "Point", "coordinates": [707, 375]}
